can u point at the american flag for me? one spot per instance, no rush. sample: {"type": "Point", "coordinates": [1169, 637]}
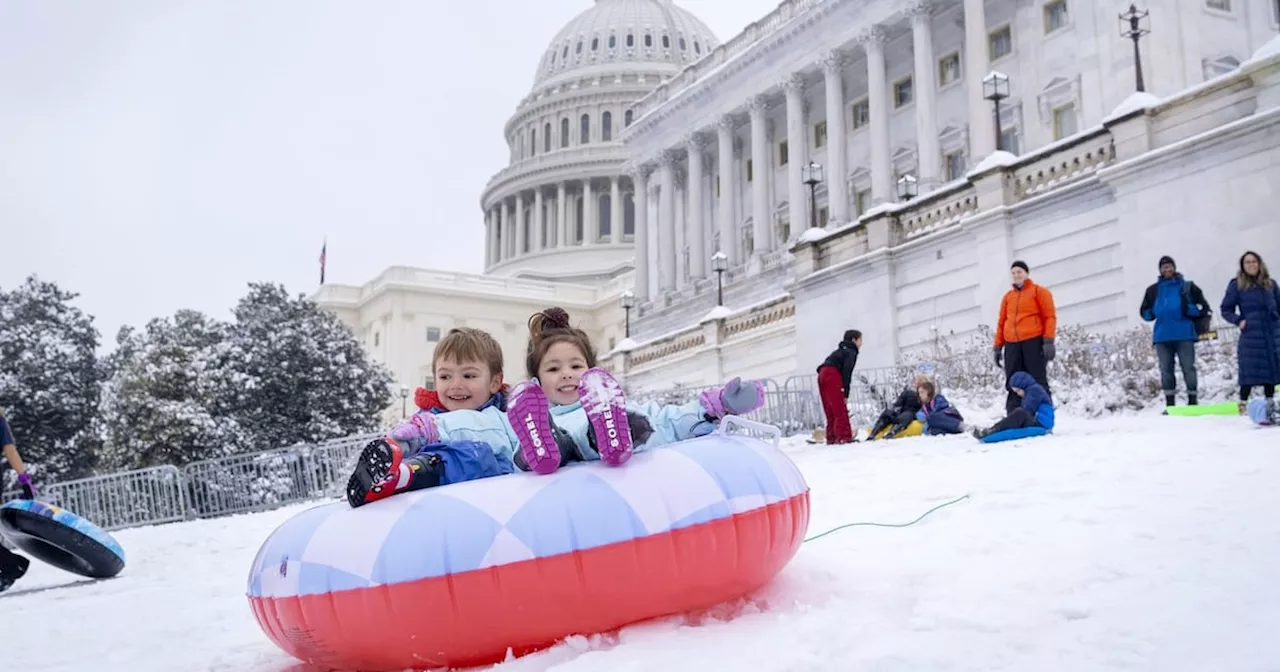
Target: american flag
{"type": "Point", "coordinates": [323, 249]}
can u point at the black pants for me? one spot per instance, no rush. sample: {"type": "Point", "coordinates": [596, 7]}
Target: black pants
{"type": "Point", "coordinates": [1017, 419]}
{"type": "Point", "coordinates": [898, 420]}
{"type": "Point", "coordinates": [1026, 356]}
{"type": "Point", "coordinates": [1268, 391]}
{"type": "Point", "coordinates": [9, 561]}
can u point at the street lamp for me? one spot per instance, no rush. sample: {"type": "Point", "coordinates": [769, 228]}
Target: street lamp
{"type": "Point", "coordinates": [1133, 25]}
{"type": "Point", "coordinates": [907, 187]}
{"type": "Point", "coordinates": [995, 88]}
{"type": "Point", "coordinates": [628, 301]}
{"type": "Point", "coordinates": [812, 177]}
{"type": "Point", "coordinates": [719, 264]}
{"type": "Point", "coordinates": [404, 401]}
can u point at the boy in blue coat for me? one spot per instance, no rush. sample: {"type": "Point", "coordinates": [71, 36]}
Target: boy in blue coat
{"type": "Point", "coordinates": [1036, 409]}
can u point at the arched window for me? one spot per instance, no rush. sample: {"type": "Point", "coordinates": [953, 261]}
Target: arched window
{"type": "Point", "coordinates": [684, 46]}
{"type": "Point", "coordinates": [578, 50]}
{"type": "Point", "coordinates": [613, 41]}
{"type": "Point", "coordinates": [604, 215]}
{"type": "Point", "coordinates": [595, 43]}
{"type": "Point", "coordinates": [606, 126]}
{"type": "Point", "coordinates": [546, 137]}
{"type": "Point", "coordinates": [565, 53]}
{"type": "Point", "coordinates": [666, 41]}
{"type": "Point", "coordinates": [564, 133]}
{"type": "Point", "coordinates": [631, 39]}
{"type": "Point", "coordinates": [648, 39]}
{"type": "Point", "coordinates": [584, 129]}
{"type": "Point", "coordinates": [626, 118]}
{"type": "Point", "coordinates": [629, 215]}
{"type": "Point", "coordinates": [533, 142]}
{"type": "Point", "coordinates": [697, 47]}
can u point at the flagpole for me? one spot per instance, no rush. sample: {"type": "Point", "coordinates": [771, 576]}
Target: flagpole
{"type": "Point", "coordinates": [323, 253]}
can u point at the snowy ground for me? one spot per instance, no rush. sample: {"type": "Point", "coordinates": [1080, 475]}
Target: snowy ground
{"type": "Point", "coordinates": [1133, 543]}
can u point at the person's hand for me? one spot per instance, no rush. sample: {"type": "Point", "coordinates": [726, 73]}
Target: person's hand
{"type": "Point", "coordinates": [999, 356]}
{"type": "Point", "coordinates": [1242, 323]}
{"type": "Point", "coordinates": [28, 490]}
{"type": "Point", "coordinates": [1049, 351]}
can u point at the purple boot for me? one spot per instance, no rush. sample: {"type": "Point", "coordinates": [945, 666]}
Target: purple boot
{"type": "Point", "coordinates": [606, 407]}
{"type": "Point", "coordinates": [530, 416]}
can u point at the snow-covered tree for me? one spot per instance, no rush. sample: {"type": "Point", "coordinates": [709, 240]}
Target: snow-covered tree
{"type": "Point", "coordinates": [300, 375]}
{"type": "Point", "coordinates": [50, 378]}
{"type": "Point", "coordinates": [166, 401]}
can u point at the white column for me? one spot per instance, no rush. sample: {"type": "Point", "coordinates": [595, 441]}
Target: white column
{"type": "Point", "coordinates": [982, 135]}
{"type": "Point", "coordinates": [488, 238]}
{"type": "Point", "coordinates": [615, 211]}
{"type": "Point", "coordinates": [640, 200]}
{"type": "Point", "coordinates": [506, 230]}
{"type": "Point", "coordinates": [878, 100]}
{"type": "Point", "coordinates": [539, 223]}
{"type": "Point", "coordinates": [724, 161]}
{"type": "Point", "coordinates": [694, 228]}
{"type": "Point", "coordinates": [837, 172]}
{"type": "Point", "coordinates": [590, 229]}
{"type": "Point", "coordinates": [667, 221]}
{"type": "Point", "coordinates": [929, 157]}
{"type": "Point", "coordinates": [797, 154]}
{"type": "Point", "coordinates": [760, 229]}
{"type": "Point", "coordinates": [521, 241]}
{"type": "Point", "coordinates": [562, 217]}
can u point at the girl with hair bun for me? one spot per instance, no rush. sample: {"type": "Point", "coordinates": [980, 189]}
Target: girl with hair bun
{"type": "Point", "coordinates": [570, 410]}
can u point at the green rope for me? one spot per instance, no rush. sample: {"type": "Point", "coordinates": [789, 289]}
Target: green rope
{"type": "Point", "coordinates": [957, 500]}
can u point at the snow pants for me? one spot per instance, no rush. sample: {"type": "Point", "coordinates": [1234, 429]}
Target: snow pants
{"type": "Point", "coordinates": [1017, 419]}
{"type": "Point", "coordinates": [833, 406]}
{"type": "Point", "coordinates": [1026, 356]}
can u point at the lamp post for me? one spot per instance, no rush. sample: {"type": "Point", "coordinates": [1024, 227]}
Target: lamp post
{"type": "Point", "coordinates": [628, 301]}
{"type": "Point", "coordinates": [813, 177]}
{"type": "Point", "coordinates": [719, 264]}
{"type": "Point", "coordinates": [995, 88]}
{"type": "Point", "coordinates": [1133, 25]}
{"type": "Point", "coordinates": [908, 187]}
{"type": "Point", "coordinates": [404, 401]}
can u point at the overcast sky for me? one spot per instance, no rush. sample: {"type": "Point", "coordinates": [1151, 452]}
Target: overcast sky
{"type": "Point", "coordinates": [160, 154]}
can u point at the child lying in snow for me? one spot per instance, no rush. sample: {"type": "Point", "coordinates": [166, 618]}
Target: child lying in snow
{"type": "Point", "coordinates": [1036, 409]}
{"type": "Point", "coordinates": [568, 395]}
{"type": "Point", "coordinates": [938, 416]}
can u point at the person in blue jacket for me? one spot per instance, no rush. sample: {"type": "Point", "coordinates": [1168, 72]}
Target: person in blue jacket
{"type": "Point", "coordinates": [1036, 409]}
{"type": "Point", "coordinates": [1178, 307]}
{"type": "Point", "coordinates": [1252, 302]}
{"type": "Point", "coordinates": [12, 565]}
{"type": "Point", "coordinates": [936, 414]}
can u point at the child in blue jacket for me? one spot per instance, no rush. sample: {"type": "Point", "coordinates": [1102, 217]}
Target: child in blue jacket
{"type": "Point", "coordinates": [936, 413]}
{"type": "Point", "coordinates": [1036, 409]}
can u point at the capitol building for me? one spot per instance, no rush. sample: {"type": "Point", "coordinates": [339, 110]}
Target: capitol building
{"type": "Point", "coordinates": [708, 208]}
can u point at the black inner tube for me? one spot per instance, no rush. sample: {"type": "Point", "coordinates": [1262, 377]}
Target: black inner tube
{"type": "Point", "coordinates": [61, 546]}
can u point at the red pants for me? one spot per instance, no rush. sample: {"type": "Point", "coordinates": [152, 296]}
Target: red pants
{"type": "Point", "coordinates": [832, 395]}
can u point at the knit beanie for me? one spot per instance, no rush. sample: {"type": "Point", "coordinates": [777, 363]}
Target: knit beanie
{"type": "Point", "coordinates": [1166, 259]}
{"type": "Point", "coordinates": [1020, 264]}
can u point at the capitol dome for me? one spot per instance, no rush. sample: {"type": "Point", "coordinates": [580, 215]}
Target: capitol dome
{"type": "Point", "coordinates": [562, 209]}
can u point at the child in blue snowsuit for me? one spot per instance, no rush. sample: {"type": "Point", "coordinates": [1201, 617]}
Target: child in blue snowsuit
{"type": "Point", "coordinates": [936, 413]}
{"type": "Point", "coordinates": [567, 394]}
{"type": "Point", "coordinates": [1036, 409]}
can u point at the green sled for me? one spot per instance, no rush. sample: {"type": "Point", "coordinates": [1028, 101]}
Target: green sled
{"type": "Point", "coordinates": [1225, 408]}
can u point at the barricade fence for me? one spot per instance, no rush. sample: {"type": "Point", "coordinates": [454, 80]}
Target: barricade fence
{"type": "Point", "coordinates": [302, 473]}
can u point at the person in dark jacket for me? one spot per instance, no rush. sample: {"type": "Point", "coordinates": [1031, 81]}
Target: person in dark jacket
{"type": "Point", "coordinates": [834, 374]}
{"type": "Point", "coordinates": [12, 565]}
{"type": "Point", "coordinates": [1174, 304]}
{"type": "Point", "coordinates": [902, 412]}
{"type": "Point", "coordinates": [1252, 302]}
{"type": "Point", "coordinates": [1036, 409]}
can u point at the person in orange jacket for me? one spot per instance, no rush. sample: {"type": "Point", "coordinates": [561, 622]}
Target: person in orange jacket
{"type": "Point", "coordinates": [1025, 331]}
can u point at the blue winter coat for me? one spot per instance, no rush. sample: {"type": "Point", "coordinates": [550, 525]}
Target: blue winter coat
{"type": "Point", "coordinates": [1258, 352]}
{"type": "Point", "coordinates": [1172, 303]}
{"type": "Point", "coordinates": [939, 416]}
{"type": "Point", "coordinates": [1036, 400]}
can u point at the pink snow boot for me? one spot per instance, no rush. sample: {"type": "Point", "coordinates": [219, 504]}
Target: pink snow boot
{"type": "Point", "coordinates": [530, 416]}
{"type": "Point", "coordinates": [606, 407]}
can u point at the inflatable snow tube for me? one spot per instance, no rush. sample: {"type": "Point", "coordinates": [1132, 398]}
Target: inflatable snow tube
{"type": "Point", "coordinates": [61, 538]}
{"type": "Point", "coordinates": [1225, 408]}
{"type": "Point", "coordinates": [456, 575]}
{"type": "Point", "coordinates": [916, 428]}
{"type": "Point", "coordinates": [1014, 434]}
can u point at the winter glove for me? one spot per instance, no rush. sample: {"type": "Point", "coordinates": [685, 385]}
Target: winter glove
{"type": "Point", "coordinates": [999, 354]}
{"type": "Point", "coordinates": [28, 490]}
{"type": "Point", "coordinates": [1049, 350]}
{"type": "Point", "coordinates": [420, 425]}
{"type": "Point", "coordinates": [734, 398]}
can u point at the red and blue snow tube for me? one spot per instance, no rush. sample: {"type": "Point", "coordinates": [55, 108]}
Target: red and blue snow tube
{"type": "Point", "coordinates": [455, 576]}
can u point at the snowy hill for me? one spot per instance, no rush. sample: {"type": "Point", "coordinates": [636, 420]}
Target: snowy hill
{"type": "Point", "coordinates": [1135, 543]}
